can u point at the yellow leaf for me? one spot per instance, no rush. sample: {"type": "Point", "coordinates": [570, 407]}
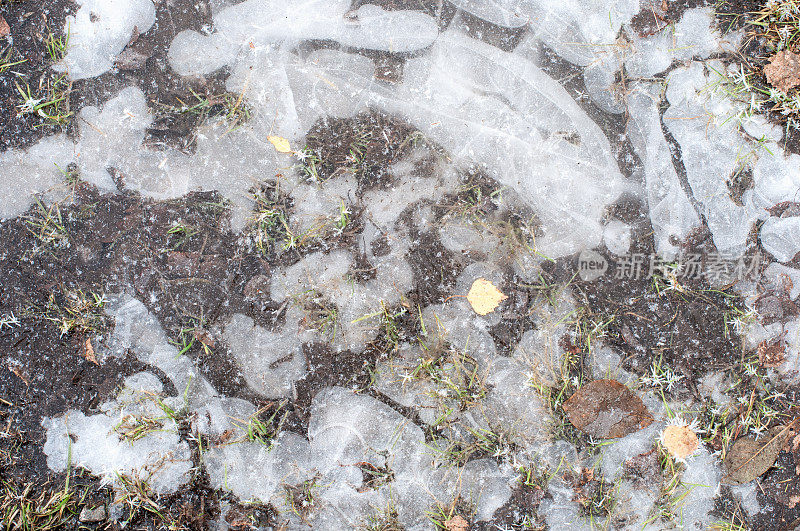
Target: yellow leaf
{"type": "Point", "coordinates": [280, 143]}
{"type": "Point", "coordinates": [680, 441]}
{"type": "Point", "coordinates": [484, 296]}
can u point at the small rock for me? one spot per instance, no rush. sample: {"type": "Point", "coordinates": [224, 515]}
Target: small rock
{"type": "Point", "coordinates": [98, 514]}
{"type": "Point", "coordinates": [783, 71]}
{"type": "Point", "coordinates": [131, 59]}
{"type": "Point", "coordinates": [5, 29]}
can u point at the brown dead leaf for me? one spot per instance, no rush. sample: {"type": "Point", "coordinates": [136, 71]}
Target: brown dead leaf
{"type": "Point", "coordinates": [5, 29]}
{"type": "Point", "coordinates": [484, 296]}
{"type": "Point", "coordinates": [783, 71]}
{"type": "Point", "coordinates": [771, 354]}
{"type": "Point", "coordinates": [607, 409]}
{"type": "Point", "coordinates": [748, 458]}
{"type": "Point", "coordinates": [456, 523]}
{"type": "Point", "coordinates": [88, 351]}
{"type": "Point", "coordinates": [204, 337]}
{"type": "Point", "coordinates": [280, 143]}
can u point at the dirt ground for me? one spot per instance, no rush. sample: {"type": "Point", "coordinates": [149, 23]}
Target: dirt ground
{"type": "Point", "coordinates": [199, 278]}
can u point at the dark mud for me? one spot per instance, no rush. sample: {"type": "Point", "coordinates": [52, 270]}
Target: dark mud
{"type": "Point", "coordinates": [779, 490]}
{"type": "Point", "coordinates": [182, 258]}
{"type": "Point", "coordinates": [195, 278]}
{"type": "Point", "coordinates": [364, 146]}
{"type": "Point", "coordinates": [25, 62]}
{"type": "Point", "coordinates": [519, 512]}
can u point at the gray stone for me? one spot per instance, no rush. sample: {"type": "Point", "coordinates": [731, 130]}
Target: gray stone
{"type": "Point", "coordinates": [88, 515]}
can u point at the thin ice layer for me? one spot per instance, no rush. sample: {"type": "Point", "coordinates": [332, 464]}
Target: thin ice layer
{"type": "Point", "coordinates": [255, 25]}
{"type": "Point", "coordinates": [108, 445]}
{"type": "Point", "coordinates": [671, 212]}
{"type": "Point", "coordinates": [100, 30]}
{"type": "Point", "coordinates": [490, 108]}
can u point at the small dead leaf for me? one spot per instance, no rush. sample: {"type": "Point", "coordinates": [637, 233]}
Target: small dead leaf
{"type": "Point", "coordinates": [484, 296]}
{"type": "Point", "coordinates": [606, 409]}
{"type": "Point", "coordinates": [280, 143]}
{"type": "Point", "coordinates": [204, 337]}
{"type": "Point", "coordinates": [680, 441]}
{"type": "Point", "coordinates": [88, 351]}
{"type": "Point", "coordinates": [456, 523]}
{"type": "Point", "coordinates": [748, 458]}
{"type": "Point", "coordinates": [5, 29]}
{"type": "Point", "coordinates": [16, 369]}
{"type": "Point", "coordinates": [131, 59]}
{"type": "Point", "coordinates": [771, 354]}
{"type": "Point", "coordinates": [783, 71]}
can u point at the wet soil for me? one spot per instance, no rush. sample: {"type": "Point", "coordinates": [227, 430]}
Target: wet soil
{"type": "Point", "coordinates": [364, 146]}
{"type": "Point", "coordinates": [778, 490]}
{"type": "Point", "coordinates": [192, 271]}
{"type": "Point", "coordinates": [31, 22]}
{"type": "Point", "coordinates": [196, 278]}
{"type": "Point", "coordinates": [519, 512]}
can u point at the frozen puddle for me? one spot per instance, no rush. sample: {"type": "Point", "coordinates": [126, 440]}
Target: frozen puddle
{"type": "Point", "coordinates": [426, 149]}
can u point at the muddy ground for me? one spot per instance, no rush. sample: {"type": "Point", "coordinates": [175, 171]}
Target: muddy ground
{"type": "Point", "coordinates": [200, 277]}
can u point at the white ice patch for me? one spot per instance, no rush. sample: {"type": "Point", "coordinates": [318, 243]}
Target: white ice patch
{"type": "Point", "coordinates": [138, 330]}
{"type": "Point", "coordinates": [781, 237]}
{"type": "Point", "coordinates": [701, 479]}
{"type": "Point", "coordinates": [100, 30]}
{"type": "Point", "coordinates": [787, 278]}
{"type": "Point", "coordinates": [671, 212]}
{"type": "Point", "coordinates": [748, 493]}
{"type": "Point", "coordinates": [316, 208]}
{"type": "Point", "coordinates": [539, 349]}
{"type": "Point", "coordinates": [617, 237]}
{"type": "Point", "coordinates": [694, 36]}
{"type": "Point", "coordinates": [110, 138]}
{"type": "Point", "coordinates": [460, 236]}
{"type": "Point", "coordinates": [256, 25]}
{"type": "Point", "coordinates": [254, 471]}
{"type": "Point", "coordinates": [99, 442]}
{"type": "Point", "coordinates": [410, 184]}
{"type": "Point", "coordinates": [23, 174]}
{"type": "Point", "coordinates": [580, 30]}
{"type": "Point", "coordinates": [359, 305]}
{"type": "Point", "coordinates": [513, 404]}
{"type": "Point", "coordinates": [508, 13]}
{"type": "Point", "coordinates": [777, 179]}
{"type": "Point", "coordinates": [270, 361]}
{"type": "Point", "coordinates": [527, 131]}
{"type": "Point", "coordinates": [703, 121]}
{"type": "Point", "coordinates": [347, 429]}
{"type": "Point", "coordinates": [790, 368]}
